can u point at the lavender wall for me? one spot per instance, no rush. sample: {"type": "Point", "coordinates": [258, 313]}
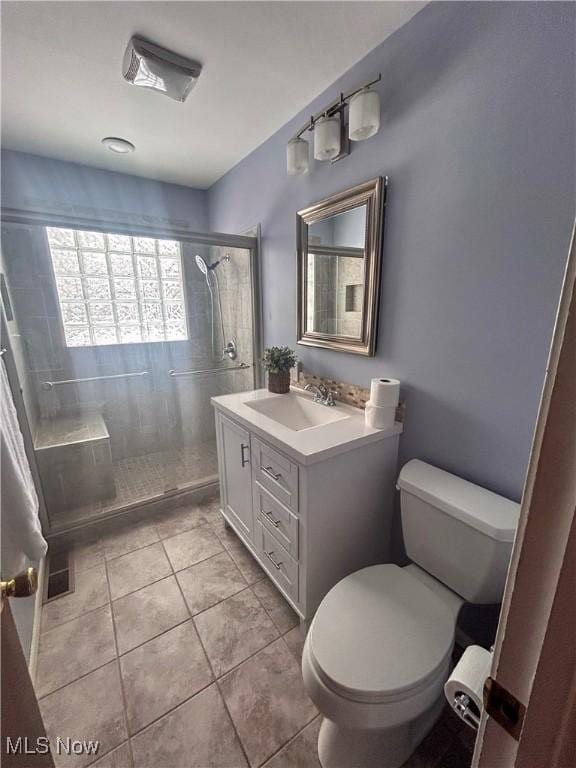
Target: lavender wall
{"type": "Point", "coordinates": [477, 137]}
{"type": "Point", "coordinates": [31, 182]}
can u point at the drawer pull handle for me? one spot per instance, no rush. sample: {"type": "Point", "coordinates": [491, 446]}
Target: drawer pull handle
{"type": "Point", "coordinates": [243, 458]}
{"type": "Point", "coordinates": [270, 472]}
{"type": "Point", "coordinates": [275, 523]}
{"type": "Point", "coordinates": [274, 563]}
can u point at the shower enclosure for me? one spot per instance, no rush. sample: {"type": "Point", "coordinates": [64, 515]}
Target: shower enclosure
{"type": "Point", "coordinates": [119, 339]}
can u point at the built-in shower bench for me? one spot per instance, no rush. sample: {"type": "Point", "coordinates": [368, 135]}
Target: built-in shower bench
{"type": "Point", "coordinates": [75, 459]}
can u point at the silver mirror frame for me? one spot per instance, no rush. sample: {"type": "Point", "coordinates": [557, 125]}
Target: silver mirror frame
{"type": "Point", "coordinates": [372, 194]}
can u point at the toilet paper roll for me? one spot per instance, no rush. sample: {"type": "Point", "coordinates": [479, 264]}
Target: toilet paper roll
{"type": "Point", "coordinates": [379, 417]}
{"type": "Point", "coordinates": [384, 392]}
{"type": "Point", "coordinates": [464, 687]}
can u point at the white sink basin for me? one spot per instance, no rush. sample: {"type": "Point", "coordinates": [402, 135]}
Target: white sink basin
{"type": "Point", "coordinates": [297, 412]}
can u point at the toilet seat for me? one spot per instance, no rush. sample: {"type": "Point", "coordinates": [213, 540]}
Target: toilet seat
{"type": "Point", "coordinates": [381, 635]}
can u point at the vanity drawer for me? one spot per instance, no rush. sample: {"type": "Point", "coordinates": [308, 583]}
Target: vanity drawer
{"type": "Point", "coordinates": [282, 568]}
{"type": "Point", "coordinates": [276, 473]}
{"type": "Point", "coordinates": [279, 521]}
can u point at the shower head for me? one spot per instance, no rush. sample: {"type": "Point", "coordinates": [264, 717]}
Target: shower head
{"type": "Point", "coordinates": [205, 268]}
{"type": "Point", "coordinates": [201, 264]}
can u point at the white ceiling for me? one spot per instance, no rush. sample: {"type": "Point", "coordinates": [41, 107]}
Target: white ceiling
{"type": "Point", "coordinates": [63, 91]}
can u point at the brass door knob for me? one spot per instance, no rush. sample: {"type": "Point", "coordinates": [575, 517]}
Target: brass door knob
{"type": "Point", "coordinates": [22, 585]}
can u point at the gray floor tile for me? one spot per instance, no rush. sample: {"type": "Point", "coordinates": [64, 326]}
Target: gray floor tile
{"type": "Point", "coordinates": [130, 538]}
{"type": "Point", "coordinates": [210, 581]}
{"type": "Point", "coordinates": [301, 751]}
{"type": "Point", "coordinates": [233, 630]}
{"type": "Point", "coordinates": [138, 569]}
{"type": "Point", "coordinates": [266, 700]}
{"type": "Point", "coordinates": [163, 673]}
{"type": "Point", "coordinates": [246, 563]}
{"type": "Point", "coordinates": [192, 547]}
{"type": "Point", "coordinates": [198, 734]}
{"type": "Point", "coordinates": [89, 708]}
{"type": "Point", "coordinates": [88, 555]}
{"type": "Point", "coordinates": [179, 520]}
{"type": "Point", "coordinates": [210, 509]}
{"type": "Point", "coordinates": [264, 691]}
{"type": "Point", "coordinates": [218, 525]}
{"type": "Point", "coordinates": [74, 649]}
{"type": "Point", "coordinates": [275, 606]}
{"type": "Point", "coordinates": [148, 612]}
{"type": "Point", "coordinates": [295, 641]}
{"type": "Point", "coordinates": [121, 757]}
{"type": "Point", "coordinates": [90, 591]}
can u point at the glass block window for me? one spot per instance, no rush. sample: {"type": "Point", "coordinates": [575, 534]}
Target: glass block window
{"type": "Point", "coordinates": [118, 289]}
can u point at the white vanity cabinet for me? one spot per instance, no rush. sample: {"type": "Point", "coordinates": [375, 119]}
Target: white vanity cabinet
{"type": "Point", "coordinates": [310, 516]}
{"type": "Point", "coordinates": [235, 475]}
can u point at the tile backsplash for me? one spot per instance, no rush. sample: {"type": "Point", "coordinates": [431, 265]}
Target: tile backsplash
{"type": "Point", "coordinates": [351, 394]}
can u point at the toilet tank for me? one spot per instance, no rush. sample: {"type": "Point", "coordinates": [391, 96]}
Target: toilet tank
{"type": "Point", "coordinates": [457, 531]}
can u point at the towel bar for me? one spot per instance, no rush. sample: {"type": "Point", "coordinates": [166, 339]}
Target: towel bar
{"type": "Point", "coordinates": [241, 367]}
{"type": "Point", "coordinates": [51, 384]}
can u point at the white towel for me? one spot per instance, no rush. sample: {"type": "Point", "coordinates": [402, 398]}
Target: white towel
{"type": "Point", "coordinates": [22, 541]}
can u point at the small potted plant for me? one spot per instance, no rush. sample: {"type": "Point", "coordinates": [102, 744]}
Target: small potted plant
{"type": "Point", "coordinates": [278, 361]}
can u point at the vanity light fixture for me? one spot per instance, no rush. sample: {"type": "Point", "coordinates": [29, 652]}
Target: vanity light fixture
{"type": "Point", "coordinates": [297, 157]}
{"type": "Point", "coordinates": [327, 138]}
{"type": "Point", "coordinates": [354, 115]}
{"type": "Point", "coordinates": [363, 115]}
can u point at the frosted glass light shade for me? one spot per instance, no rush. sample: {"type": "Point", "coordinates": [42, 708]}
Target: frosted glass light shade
{"type": "Point", "coordinates": [364, 115]}
{"type": "Point", "coordinates": [327, 138]}
{"type": "Point", "coordinates": [297, 157]}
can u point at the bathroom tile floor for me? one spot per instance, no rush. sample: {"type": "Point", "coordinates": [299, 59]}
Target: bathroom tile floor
{"type": "Point", "coordinates": [176, 651]}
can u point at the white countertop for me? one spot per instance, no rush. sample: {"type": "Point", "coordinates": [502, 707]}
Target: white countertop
{"type": "Point", "coordinates": [306, 446]}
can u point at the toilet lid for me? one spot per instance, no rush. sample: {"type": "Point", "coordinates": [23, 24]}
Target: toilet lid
{"type": "Point", "coordinates": [380, 633]}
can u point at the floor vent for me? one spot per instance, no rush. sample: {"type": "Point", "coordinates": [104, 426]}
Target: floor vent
{"type": "Point", "coordinates": [60, 579]}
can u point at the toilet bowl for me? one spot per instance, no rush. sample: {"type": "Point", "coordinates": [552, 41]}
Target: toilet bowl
{"type": "Point", "coordinates": [379, 648]}
{"type": "Point", "coordinates": [375, 660]}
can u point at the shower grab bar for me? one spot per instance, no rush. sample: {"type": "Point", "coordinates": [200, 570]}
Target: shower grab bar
{"type": "Point", "coordinates": [51, 384]}
{"type": "Point", "coordinates": [241, 367]}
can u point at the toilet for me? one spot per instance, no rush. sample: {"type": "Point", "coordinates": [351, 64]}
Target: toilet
{"type": "Point", "coordinates": [379, 648]}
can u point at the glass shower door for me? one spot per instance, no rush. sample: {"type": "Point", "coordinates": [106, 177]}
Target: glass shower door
{"type": "Point", "coordinates": [108, 321]}
{"type": "Point", "coordinates": [219, 288]}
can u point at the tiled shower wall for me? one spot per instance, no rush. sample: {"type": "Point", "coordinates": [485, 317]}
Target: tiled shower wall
{"type": "Point", "coordinates": [142, 415]}
{"type": "Point", "coordinates": [333, 275]}
{"type": "Point", "coordinates": [236, 291]}
{"type": "Point", "coordinates": [349, 308]}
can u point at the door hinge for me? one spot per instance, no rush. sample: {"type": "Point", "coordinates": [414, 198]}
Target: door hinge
{"type": "Point", "coordinates": [504, 707]}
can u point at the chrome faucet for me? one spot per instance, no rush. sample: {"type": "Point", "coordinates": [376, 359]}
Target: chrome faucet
{"type": "Point", "coordinates": [322, 395]}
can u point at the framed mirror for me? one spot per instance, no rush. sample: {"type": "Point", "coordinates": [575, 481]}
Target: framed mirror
{"type": "Point", "coordinates": [339, 253]}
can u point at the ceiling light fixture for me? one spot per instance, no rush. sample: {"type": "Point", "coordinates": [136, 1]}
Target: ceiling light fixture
{"type": "Point", "coordinates": [117, 145]}
{"type": "Point", "coordinates": [331, 133]}
{"type": "Point", "coordinates": [149, 66]}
